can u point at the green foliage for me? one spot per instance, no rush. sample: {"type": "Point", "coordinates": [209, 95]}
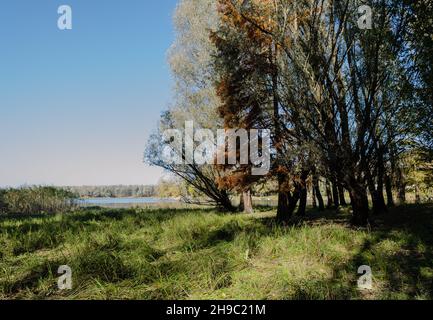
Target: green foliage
{"type": "Point", "coordinates": [422, 42]}
{"type": "Point", "coordinates": [2, 201]}
{"type": "Point", "coordinates": [169, 188]}
{"type": "Point", "coordinates": [419, 170]}
{"type": "Point", "coordinates": [202, 254]}
{"type": "Point", "coordinates": [118, 191]}
{"type": "Point", "coordinates": [36, 200]}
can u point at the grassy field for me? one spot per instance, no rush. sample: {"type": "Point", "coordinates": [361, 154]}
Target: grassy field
{"type": "Point", "coordinates": [203, 254]}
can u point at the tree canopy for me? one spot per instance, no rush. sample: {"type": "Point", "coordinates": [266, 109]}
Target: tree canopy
{"type": "Point", "coordinates": [348, 100]}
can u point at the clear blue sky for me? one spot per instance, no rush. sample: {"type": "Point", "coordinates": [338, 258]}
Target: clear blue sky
{"type": "Point", "coordinates": [77, 106]}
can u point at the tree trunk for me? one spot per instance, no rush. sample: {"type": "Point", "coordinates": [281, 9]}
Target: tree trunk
{"type": "Point", "coordinates": [241, 203]}
{"type": "Point", "coordinates": [376, 197]}
{"type": "Point", "coordinates": [303, 193]}
{"type": "Point", "coordinates": [313, 197]}
{"type": "Point", "coordinates": [283, 207]}
{"type": "Point", "coordinates": [417, 193]}
{"type": "Point", "coordinates": [389, 195]}
{"type": "Point", "coordinates": [402, 193]}
{"type": "Point", "coordinates": [248, 202]}
{"type": "Point", "coordinates": [401, 184]}
{"type": "Point", "coordinates": [359, 200]}
{"type": "Point", "coordinates": [380, 183]}
{"type": "Point", "coordinates": [293, 201]}
{"type": "Point", "coordinates": [225, 203]}
{"type": "Point", "coordinates": [381, 200]}
{"type": "Point", "coordinates": [303, 202]}
{"type": "Point", "coordinates": [378, 202]}
{"type": "Point", "coordinates": [342, 196]}
{"type": "Point", "coordinates": [335, 196]}
{"type": "Point", "coordinates": [318, 194]}
{"type": "Point", "coordinates": [329, 195]}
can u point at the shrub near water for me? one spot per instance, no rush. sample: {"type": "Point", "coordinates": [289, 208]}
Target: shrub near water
{"type": "Point", "coordinates": [2, 201]}
{"type": "Point", "coordinates": [35, 200]}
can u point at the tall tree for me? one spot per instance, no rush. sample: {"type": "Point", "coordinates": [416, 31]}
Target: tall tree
{"type": "Point", "coordinates": [195, 99]}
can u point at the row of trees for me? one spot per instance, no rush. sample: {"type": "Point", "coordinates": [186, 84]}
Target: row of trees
{"type": "Point", "coordinates": [349, 106]}
{"type": "Point", "coordinates": [117, 191]}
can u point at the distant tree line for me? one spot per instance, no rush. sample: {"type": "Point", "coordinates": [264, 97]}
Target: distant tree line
{"type": "Point", "coordinates": [115, 191]}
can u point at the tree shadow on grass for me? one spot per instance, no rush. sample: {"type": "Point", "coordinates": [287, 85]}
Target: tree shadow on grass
{"type": "Point", "coordinates": [30, 279]}
{"type": "Point", "coordinates": [398, 248]}
{"type": "Point", "coordinates": [399, 251]}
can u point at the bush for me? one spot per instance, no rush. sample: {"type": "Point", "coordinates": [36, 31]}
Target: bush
{"type": "Point", "coordinates": [36, 200]}
{"type": "Point", "coordinates": [2, 201]}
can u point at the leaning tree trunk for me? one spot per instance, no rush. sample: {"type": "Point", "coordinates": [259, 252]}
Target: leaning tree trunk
{"type": "Point", "coordinates": [225, 203]}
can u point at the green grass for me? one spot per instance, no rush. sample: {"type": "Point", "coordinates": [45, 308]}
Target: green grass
{"type": "Point", "coordinates": [203, 254]}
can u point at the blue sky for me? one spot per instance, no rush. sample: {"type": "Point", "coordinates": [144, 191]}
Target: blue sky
{"type": "Point", "coordinates": [76, 106]}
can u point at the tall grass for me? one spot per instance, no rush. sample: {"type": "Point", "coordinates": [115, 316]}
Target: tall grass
{"type": "Point", "coordinates": [202, 254]}
{"type": "Point", "coordinates": [36, 200]}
